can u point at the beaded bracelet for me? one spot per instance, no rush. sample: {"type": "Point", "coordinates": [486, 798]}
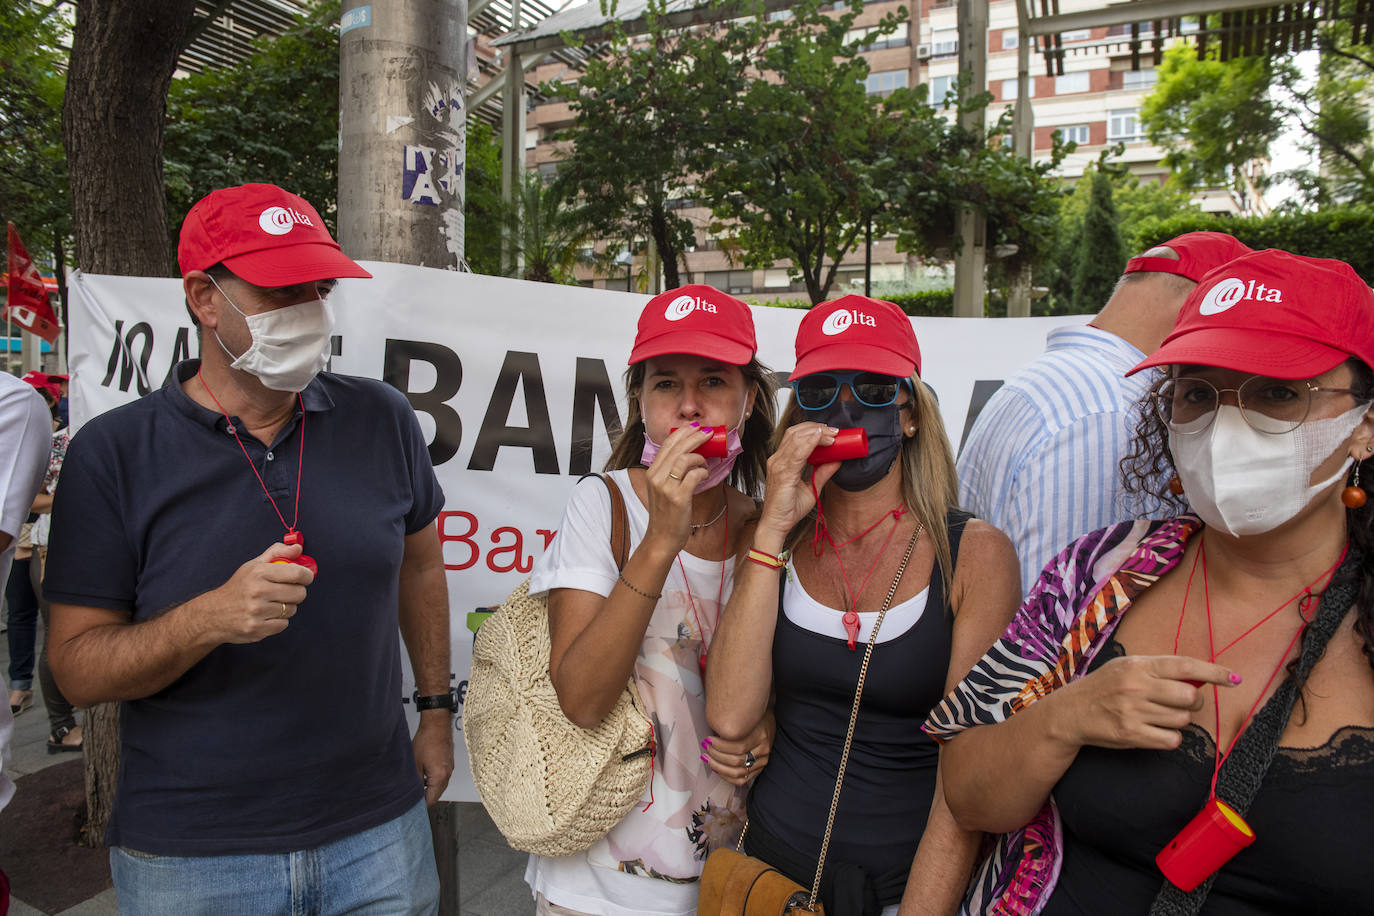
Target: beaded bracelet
{"type": "Point", "coordinates": [625, 582]}
{"type": "Point", "coordinates": [769, 560]}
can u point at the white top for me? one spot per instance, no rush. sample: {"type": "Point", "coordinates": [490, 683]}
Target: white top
{"type": "Point", "coordinates": [651, 862]}
{"type": "Point", "coordinates": [809, 614]}
{"type": "Point", "coordinates": [25, 441]}
{"type": "Point", "coordinates": [1042, 461]}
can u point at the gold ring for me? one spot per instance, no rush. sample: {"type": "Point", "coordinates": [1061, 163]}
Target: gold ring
{"type": "Point", "coordinates": [283, 610]}
{"type": "Point", "coordinates": [674, 476]}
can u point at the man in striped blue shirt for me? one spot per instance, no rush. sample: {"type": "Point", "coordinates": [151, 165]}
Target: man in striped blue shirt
{"type": "Point", "coordinates": [1042, 460]}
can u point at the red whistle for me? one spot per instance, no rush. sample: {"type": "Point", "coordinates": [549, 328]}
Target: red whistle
{"type": "Point", "coordinates": [295, 537]}
{"type": "Point", "coordinates": [718, 446]}
{"type": "Point", "coordinates": [1209, 841]}
{"type": "Point", "coordinates": [849, 443]}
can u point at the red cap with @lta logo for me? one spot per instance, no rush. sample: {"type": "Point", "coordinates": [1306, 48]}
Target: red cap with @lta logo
{"type": "Point", "coordinates": [265, 235]}
{"type": "Point", "coordinates": [857, 333]}
{"type": "Point", "coordinates": [1273, 313]}
{"type": "Point", "coordinates": [696, 319]}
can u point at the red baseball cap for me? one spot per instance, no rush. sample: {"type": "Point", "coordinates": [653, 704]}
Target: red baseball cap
{"type": "Point", "coordinates": [696, 319]}
{"type": "Point", "coordinates": [44, 382]}
{"type": "Point", "coordinates": [265, 235]}
{"type": "Point", "coordinates": [1199, 253]}
{"type": "Point", "coordinates": [1273, 313]}
{"type": "Point", "coordinates": [856, 332]}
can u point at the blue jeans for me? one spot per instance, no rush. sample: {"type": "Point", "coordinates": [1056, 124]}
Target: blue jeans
{"type": "Point", "coordinates": [23, 621]}
{"type": "Point", "coordinates": [386, 870]}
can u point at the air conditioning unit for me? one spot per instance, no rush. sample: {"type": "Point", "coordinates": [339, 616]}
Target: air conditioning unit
{"type": "Point", "coordinates": [923, 52]}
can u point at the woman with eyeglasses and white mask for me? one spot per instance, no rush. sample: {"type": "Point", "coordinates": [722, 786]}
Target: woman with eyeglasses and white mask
{"type": "Point", "coordinates": [816, 571]}
{"type": "Point", "coordinates": [1181, 717]}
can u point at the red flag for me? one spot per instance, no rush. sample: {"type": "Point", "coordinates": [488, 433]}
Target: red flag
{"type": "Point", "coordinates": [27, 304]}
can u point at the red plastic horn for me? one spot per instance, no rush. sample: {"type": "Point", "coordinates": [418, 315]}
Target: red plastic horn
{"type": "Point", "coordinates": [849, 443]}
{"type": "Point", "coordinates": [718, 446]}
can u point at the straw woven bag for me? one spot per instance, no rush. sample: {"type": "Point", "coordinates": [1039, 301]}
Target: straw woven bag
{"type": "Point", "coordinates": [551, 787]}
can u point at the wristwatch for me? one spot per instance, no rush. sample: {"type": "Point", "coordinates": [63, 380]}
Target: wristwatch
{"type": "Point", "coordinates": [447, 701]}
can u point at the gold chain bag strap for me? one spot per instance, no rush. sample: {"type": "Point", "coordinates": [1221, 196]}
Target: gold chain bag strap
{"type": "Point", "coordinates": [550, 786]}
{"type": "Point", "coordinates": [734, 884]}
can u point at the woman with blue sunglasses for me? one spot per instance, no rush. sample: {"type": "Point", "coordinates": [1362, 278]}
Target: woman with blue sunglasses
{"type": "Point", "coordinates": [852, 553]}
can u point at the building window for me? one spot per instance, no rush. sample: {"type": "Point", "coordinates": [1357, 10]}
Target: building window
{"type": "Point", "coordinates": [1139, 79]}
{"type": "Point", "coordinates": [1010, 39]}
{"type": "Point", "coordinates": [548, 171]}
{"type": "Point", "coordinates": [1009, 89]}
{"type": "Point", "coordinates": [776, 278]}
{"type": "Point", "coordinates": [898, 39]}
{"type": "Point", "coordinates": [531, 138]}
{"type": "Point", "coordinates": [731, 281]}
{"type": "Point", "coordinates": [1076, 35]}
{"type": "Point", "coordinates": [944, 42]}
{"type": "Point", "coordinates": [940, 86]}
{"type": "Point", "coordinates": [885, 82]}
{"type": "Point", "coordinates": [779, 15]}
{"type": "Point", "coordinates": [1124, 124]}
{"type": "Point", "coordinates": [1074, 133]}
{"type": "Point", "coordinates": [1071, 82]}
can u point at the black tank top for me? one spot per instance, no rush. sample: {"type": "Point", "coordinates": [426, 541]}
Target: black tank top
{"type": "Point", "coordinates": [890, 779]}
{"type": "Point", "coordinates": [1313, 843]}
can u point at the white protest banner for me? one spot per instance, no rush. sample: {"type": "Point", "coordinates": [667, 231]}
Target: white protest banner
{"type": "Point", "coordinates": [515, 384]}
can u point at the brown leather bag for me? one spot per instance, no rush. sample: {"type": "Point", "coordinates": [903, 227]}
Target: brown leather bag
{"type": "Point", "coordinates": [733, 884]}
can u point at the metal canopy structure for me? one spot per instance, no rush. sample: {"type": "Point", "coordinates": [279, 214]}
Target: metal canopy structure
{"type": "Point", "coordinates": [1240, 28]}
{"type": "Point", "coordinates": [232, 28]}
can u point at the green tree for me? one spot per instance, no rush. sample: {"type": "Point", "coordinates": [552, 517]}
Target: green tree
{"type": "Point", "coordinates": [33, 164]}
{"type": "Point", "coordinates": [1101, 256]}
{"type": "Point", "coordinates": [1136, 202]}
{"type": "Point", "coordinates": [274, 117]}
{"type": "Point", "coordinates": [1212, 117]}
{"type": "Point", "coordinates": [641, 111]}
{"type": "Point", "coordinates": [1219, 120]}
{"type": "Point", "coordinates": [482, 204]}
{"type": "Point", "coordinates": [803, 157]}
{"type": "Point", "coordinates": [551, 232]}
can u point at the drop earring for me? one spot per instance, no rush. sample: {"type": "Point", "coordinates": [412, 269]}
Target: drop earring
{"type": "Point", "coordinates": [1354, 496]}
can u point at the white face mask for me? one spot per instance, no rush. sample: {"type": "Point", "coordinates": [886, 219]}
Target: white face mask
{"type": "Point", "coordinates": [290, 344]}
{"type": "Point", "coordinates": [1244, 482]}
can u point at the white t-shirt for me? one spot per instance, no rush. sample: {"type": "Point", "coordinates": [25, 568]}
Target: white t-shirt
{"type": "Point", "coordinates": [25, 441]}
{"type": "Point", "coordinates": [650, 862]}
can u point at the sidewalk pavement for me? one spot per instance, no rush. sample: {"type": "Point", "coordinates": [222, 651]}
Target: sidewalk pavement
{"type": "Point", "coordinates": [490, 873]}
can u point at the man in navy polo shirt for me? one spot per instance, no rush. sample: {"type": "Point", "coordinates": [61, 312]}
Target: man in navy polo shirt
{"type": "Point", "coordinates": [231, 556]}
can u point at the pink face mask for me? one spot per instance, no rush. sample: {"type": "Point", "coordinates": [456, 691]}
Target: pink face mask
{"type": "Point", "coordinates": [717, 469]}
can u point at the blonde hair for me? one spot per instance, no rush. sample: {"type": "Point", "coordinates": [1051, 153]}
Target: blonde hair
{"type": "Point", "coordinates": [930, 486]}
{"type": "Point", "coordinates": [755, 435]}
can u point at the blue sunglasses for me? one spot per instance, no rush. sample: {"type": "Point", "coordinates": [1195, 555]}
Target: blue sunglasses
{"type": "Point", "coordinates": [819, 390]}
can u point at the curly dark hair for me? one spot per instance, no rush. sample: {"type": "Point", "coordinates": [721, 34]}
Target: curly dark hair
{"type": "Point", "coordinates": [1148, 462]}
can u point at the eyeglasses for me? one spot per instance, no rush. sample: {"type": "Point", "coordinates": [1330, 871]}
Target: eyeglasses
{"type": "Point", "coordinates": [820, 389]}
{"type": "Point", "coordinates": [1269, 405]}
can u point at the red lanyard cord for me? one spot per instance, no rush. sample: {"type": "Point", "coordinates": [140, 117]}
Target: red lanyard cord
{"type": "Point", "coordinates": [1305, 598]}
{"type": "Point", "coordinates": [720, 589]}
{"type": "Point", "coordinates": [300, 461]}
{"type": "Point", "coordinates": [822, 534]}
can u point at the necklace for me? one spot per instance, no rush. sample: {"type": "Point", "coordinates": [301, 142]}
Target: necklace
{"type": "Point", "coordinates": [292, 535]}
{"type": "Point", "coordinates": [720, 589]}
{"type": "Point", "coordinates": [724, 502]}
{"type": "Point", "coordinates": [850, 620]}
{"type": "Point", "coordinates": [1305, 598]}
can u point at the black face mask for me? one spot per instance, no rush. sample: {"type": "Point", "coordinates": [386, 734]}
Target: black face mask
{"type": "Point", "coordinates": [884, 428]}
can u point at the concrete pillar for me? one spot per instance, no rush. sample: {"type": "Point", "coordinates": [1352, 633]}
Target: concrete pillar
{"type": "Point", "coordinates": [402, 130]}
{"type": "Point", "coordinates": [970, 225]}
{"type": "Point", "coordinates": [1022, 135]}
{"type": "Point", "coordinates": [512, 147]}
